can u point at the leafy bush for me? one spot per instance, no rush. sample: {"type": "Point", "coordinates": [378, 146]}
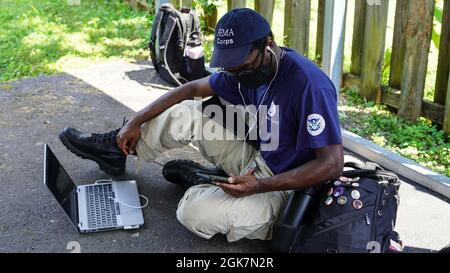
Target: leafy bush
{"type": "Point", "coordinates": [420, 141]}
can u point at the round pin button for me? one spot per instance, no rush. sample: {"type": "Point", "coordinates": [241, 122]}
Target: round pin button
{"type": "Point", "coordinates": [343, 179]}
{"type": "Point", "coordinates": [337, 183]}
{"type": "Point", "coordinates": [330, 191]}
{"type": "Point", "coordinates": [329, 201]}
{"type": "Point", "coordinates": [355, 185]}
{"type": "Point", "coordinates": [338, 191]}
{"type": "Point", "coordinates": [355, 194]}
{"type": "Point", "coordinates": [342, 200]}
{"type": "Point", "coordinates": [357, 204]}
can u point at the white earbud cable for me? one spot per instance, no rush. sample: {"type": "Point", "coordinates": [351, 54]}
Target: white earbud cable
{"type": "Point", "coordinates": [255, 117]}
{"type": "Point", "coordinates": [121, 202]}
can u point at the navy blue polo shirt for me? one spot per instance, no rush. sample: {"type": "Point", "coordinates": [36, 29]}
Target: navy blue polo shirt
{"type": "Point", "coordinates": [307, 117]}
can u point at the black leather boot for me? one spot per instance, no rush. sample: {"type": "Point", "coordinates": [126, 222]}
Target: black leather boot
{"type": "Point", "coordinates": [189, 173]}
{"type": "Point", "coordinates": [101, 148]}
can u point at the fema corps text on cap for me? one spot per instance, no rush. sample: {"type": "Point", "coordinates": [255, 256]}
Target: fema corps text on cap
{"type": "Point", "coordinates": [235, 33]}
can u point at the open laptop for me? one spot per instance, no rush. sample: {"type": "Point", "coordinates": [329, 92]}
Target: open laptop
{"type": "Point", "coordinates": [93, 207]}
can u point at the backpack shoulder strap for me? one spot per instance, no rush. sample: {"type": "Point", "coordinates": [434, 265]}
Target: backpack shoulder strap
{"type": "Point", "coordinates": [195, 20]}
{"type": "Point", "coordinates": [151, 45]}
{"type": "Point", "coordinates": [155, 28]}
{"type": "Point", "coordinates": [380, 175]}
{"type": "Point", "coordinates": [168, 31]}
{"type": "Point", "coordinates": [368, 165]}
{"type": "Point", "coordinates": [181, 25]}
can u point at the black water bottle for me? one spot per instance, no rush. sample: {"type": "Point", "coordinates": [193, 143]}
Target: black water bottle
{"type": "Point", "coordinates": [296, 214]}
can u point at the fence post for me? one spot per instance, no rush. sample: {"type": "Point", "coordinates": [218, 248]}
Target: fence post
{"type": "Point", "coordinates": [333, 40]}
{"type": "Point", "coordinates": [265, 8]}
{"type": "Point", "coordinates": [373, 52]}
{"type": "Point", "coordinates": [287, 23]}
{"type": "Point", "coordinates": [232, 4]}
{"type": "Point", "coordinates": [443, 68]}
{"type": "Point", "coordinates": [418, 39]}
{"type": "Point", "coordinates": [358, 36]}
{"type": "Point", "coordinates": [398, 44]}
{"type": "Point", "coordinates": [319, 37]}
{"type": "Point", "coordinates": [447, 110]}
{"type": "Point", "coordinates": [301, 10]}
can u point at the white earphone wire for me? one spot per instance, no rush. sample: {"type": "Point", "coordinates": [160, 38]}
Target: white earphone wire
{"type": "Point", "coordinates": [255, 117]}
{"type": "Point", "coordinates": [123, 203]}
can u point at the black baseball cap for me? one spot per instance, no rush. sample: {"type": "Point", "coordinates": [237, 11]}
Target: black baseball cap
{"type": "Point", "coordinates": [235, 33]}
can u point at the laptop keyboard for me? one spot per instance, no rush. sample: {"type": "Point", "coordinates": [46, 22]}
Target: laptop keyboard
{"type": "Point", "coordinates": [101, 210]}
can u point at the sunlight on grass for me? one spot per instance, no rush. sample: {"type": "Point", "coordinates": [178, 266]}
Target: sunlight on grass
{"type": "Point", "coordinates": [43, 37]}
{"type": "Point", "coordinates": [420, 141]}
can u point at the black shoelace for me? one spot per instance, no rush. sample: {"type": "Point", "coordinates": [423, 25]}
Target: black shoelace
{"type": "Point", "coordinates": [106, 138]}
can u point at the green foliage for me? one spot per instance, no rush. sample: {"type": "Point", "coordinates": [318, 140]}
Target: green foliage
{"type": "Point", "coordinates": [437, 22]}
{"type": "Point", "coordinates": [46, 36]}
{"type": "Point", "coordinates": [207, 9]}
{"type": "Point", "coordinates": [386, 67]}
{"type": "Point", "coordinates": [207, 6]}
{"type": "Point", "coordinates": [420, 141]}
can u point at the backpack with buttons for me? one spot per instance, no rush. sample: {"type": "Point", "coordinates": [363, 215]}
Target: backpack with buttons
{"type": "Point", "coordinates": [356, 214]}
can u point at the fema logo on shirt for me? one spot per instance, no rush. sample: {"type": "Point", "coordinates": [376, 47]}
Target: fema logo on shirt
{"type": "Point", "coordinates": [315, 124]}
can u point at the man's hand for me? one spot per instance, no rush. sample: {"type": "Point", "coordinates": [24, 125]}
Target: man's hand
{"type": "Point", "coordinates": [128, 137]}
{"type": "Point", "coordinates": [240, 186]}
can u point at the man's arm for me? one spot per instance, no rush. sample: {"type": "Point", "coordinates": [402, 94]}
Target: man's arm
{"type": "Point", "coordinates": [328, 164]}
{"type": "Point", "coordinates": [197, 88]}
{"type": "Point", "coordinates": [130, 134]}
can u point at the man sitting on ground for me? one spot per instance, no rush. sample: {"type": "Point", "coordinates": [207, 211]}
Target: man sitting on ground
{"type": "Point", "coordinates": [302, 107]}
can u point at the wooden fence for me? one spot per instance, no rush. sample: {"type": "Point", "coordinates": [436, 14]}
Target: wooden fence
{"type": "Point", "coordinates": [409, 57]}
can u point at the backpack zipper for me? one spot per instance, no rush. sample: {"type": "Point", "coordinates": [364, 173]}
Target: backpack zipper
{"type": "Point", "coordinates": [362, 212]}
{"type": "Point", "coordinates": [372, 235]}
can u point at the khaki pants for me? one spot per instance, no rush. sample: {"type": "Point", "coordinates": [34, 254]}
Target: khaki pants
{"type": "Point", "coordinates": [206, 209]}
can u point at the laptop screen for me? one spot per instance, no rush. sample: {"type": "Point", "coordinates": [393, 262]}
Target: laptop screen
{"type": "Point", "coordinates": [61, 185]}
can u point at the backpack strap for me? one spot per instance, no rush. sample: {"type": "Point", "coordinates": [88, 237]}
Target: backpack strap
{"type": "Point", "coordinates": [155, 29]}
{"type": "Point", "coordinates": [195, 36]}
{"type": "Point", "coordinates": [163, 44]}
{"type": "Point", "coordinates": [170, 26]}
{"type": "Point", "coordinates": [380, 175]}
{"type": "Point", "coordinates": [195, 19]}
{"type": "Point", "coordinates": [181, 26]}
{"type": "Point", "coordinates": [368, 165]}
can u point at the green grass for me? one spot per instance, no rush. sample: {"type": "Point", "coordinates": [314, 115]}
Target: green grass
{"type": "Point", "coordinates": [46, 36]}
{"type": "Point", "coordinates": [420, 141]}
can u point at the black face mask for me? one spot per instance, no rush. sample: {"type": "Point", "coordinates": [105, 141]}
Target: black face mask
{"type": "Point", "coordinates": [253, 78]}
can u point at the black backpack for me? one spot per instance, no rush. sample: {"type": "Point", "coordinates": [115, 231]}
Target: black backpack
{"type": "Point", "coordinates": [174, 33]}
{"type": "Point", "coordinates": [327, 219]}
{"type": "Point", "coordinates": [360, 217]}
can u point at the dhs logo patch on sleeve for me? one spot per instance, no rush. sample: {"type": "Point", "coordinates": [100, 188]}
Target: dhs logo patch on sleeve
{"type": "Point", "coordinates": [315, 124]}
